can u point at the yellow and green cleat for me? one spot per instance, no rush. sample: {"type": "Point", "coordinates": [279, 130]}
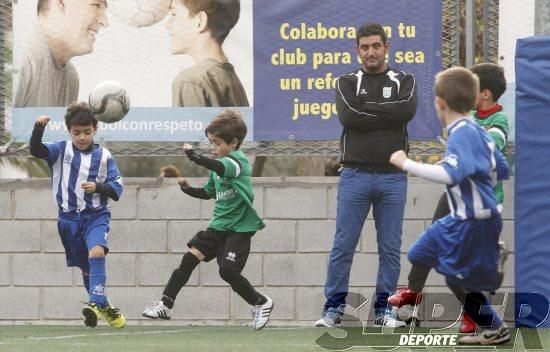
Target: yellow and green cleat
{"type": "Point", "coordinates": [112, 316]}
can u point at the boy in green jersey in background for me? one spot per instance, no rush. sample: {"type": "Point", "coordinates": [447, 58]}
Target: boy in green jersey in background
{"type": "Point", "coordinates": [488, 113]}
{"type": "Point", "coordinates": [233, 223]}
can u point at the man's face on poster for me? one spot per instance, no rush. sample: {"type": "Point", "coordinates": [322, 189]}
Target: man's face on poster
{"type": "Point", "coordinates": [82, 20]}
{"type": "Point", "coordinates": [372, 51]}
{"type": "Point", "coordinates": [182, 28]}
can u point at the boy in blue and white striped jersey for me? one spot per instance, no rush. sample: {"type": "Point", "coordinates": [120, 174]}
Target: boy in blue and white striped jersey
{"type": "Point", "coordinates": [462, 246]}
{"type": "Point", "coordinates": [84, 176]}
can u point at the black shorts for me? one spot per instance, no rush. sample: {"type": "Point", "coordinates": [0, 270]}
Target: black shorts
{"type": "Point", "coordinates": [230, 248]}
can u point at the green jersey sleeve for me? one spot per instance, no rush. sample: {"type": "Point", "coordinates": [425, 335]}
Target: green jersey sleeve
{"type": "Point", "coordinates": [233, 166]}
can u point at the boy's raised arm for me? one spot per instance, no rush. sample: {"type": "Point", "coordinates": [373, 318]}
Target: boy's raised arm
{"type": "Point", "coordinates": [210, 164]}
{"type": "Point", "coordinates": [38, 149]}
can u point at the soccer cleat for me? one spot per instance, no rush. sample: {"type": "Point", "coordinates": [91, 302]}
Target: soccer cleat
{"type": "Point", "coordinates": [157, 311]}
{"type": "Point", "coordinates": [405, 296]}
{"type": "Point", "coordinates": [91, 315]}
{"type": "Point", "coordinates": [260, 314]}
{"type": "Point", "coordinates": [331, 318]}
{"type": "Point", "coordinates": [388, 319]}
{"type": "Point", "coordinates": [487, 337]}
{"type": "Point", "coordinates": [467, 325]}
{"type": "Point", "coordinates": [112, 316]}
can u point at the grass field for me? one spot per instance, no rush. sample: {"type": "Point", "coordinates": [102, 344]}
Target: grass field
{"type": "Point", "coordinates": [217, 338]}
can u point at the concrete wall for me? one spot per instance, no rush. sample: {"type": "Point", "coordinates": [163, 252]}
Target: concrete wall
{"type": "Point", "coordinates": [150, 228]}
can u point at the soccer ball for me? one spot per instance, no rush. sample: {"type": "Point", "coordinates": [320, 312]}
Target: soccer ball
{"type": "Point", "coordinates": [139, 13]}
{"type": "Point", "coordinates": [109, 102]}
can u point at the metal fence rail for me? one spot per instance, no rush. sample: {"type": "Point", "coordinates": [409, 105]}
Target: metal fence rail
{"type": "Point", "coordinates": [450, 46]}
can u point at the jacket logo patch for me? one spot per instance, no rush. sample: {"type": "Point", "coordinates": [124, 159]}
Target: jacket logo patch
{"type": "Point", "coordinates": [363, 91]}
{"type": "Point", "coordinates": [386, 92]}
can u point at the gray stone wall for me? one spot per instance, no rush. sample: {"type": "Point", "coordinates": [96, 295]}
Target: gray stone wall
{"type": "Point", "coordinates": [150, 228]}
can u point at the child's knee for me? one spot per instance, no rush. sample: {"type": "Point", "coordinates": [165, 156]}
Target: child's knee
{"type": "Point", "coordinates": [96, 252]}
{"type": "Point", "coordinates": [197, 253]}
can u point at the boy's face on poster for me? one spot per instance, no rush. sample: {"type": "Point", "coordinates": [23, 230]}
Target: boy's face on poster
{"type": "Point", "coordinates": [83, 20]}
{"type": "Point", "coordinates": [182, 28]}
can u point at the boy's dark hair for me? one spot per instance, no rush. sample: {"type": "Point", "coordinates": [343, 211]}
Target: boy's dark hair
{"type": "Point", "coordinates": [79, 114]}
{"type": "Point", "coordinates": [227, 125]}
{"type": "Point", "coordinates": [459, 88]}
{"type": "Point", "coordinates": [222, 15]}
{"type": "Point", "coordinates": [369, 29]}
{"type": "Point", "coordinates": [491, 77]}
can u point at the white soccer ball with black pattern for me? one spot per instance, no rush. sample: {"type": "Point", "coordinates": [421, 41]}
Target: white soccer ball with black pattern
{"type": "Point", "coordinates": [139, 13]}
{"type": "Point", "coordinates": [109, 102]}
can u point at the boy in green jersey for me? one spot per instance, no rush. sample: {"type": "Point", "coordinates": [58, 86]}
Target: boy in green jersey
{"type": "Point", "coordinates": [488, 113]}
{"type": "Point", "coordinates": [233, 223]}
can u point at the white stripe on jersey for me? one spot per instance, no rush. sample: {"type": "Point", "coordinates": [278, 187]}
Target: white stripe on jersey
{"type": "Point", "coordinates": [359, 74]}
{"type": "Point", "coordinates": [69, 155]}
{"type": "Point", "coordinates": [479, 212]}
{"type": "Point", "coordinates": [499, 132]}
{"type": "Point", "coordinates": [101, 175]}
{"type": "Point", "coordinates": [450, 201]}
{"type": "Point", "coordinates": [392, 76]}
{"type": "Point", "coordinates": [237, 167]}
{"type": "Point", "coordinates": [493, 173]}
{"type": "Point", "coordinates": [85, 161]}
{"type": "Point", "coordinates": [460, 205]}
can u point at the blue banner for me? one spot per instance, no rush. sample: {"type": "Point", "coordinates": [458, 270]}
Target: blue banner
{"type": "Point", "coordinates": [300, 49]}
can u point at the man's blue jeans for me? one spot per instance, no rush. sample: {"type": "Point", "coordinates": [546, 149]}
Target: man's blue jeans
{"type": "Point", "coordinates": [357, 190]}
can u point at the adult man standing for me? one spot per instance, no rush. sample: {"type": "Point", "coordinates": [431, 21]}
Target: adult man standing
{"type": "Point", "coordinates": [64, 29]}
{"type": "Point", "coordinates": [374, 105]}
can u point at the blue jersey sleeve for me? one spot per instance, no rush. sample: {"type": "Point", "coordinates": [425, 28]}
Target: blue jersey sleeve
{"type": "Point", "coordinates": [459, 160]}
{"type": "Point", "coordinates": [502, 168]}
{"type": "Point", "coordinates": [54, 149]}
{"type": "Point", "coordinates": [114, 178]}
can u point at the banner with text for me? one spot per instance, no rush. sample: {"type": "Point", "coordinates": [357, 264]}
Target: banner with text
{"type": "Point", "coordinates": [301, 48]}
{"type": "Point", "coordinates": [277, 61]}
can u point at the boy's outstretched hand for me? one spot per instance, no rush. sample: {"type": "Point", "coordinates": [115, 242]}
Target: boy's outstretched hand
{"type": "Point", "coordinates": [42, 120]}
{"type": "Point", "coordinates": [190, 152]}
{"type": "Point", "coordinates": [183, 182]}
{"type": "Point", "coordinates": [88, 187]}
{"type": "Point", "coordinates": [398, 159]}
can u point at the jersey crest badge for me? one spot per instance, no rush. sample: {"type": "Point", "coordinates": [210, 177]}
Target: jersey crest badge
{"type": "Point", "coordinates": [386, 92]}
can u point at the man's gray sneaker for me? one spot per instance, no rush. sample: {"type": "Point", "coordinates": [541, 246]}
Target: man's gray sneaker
{"type": "Point", "coordinates": [331, 318]}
